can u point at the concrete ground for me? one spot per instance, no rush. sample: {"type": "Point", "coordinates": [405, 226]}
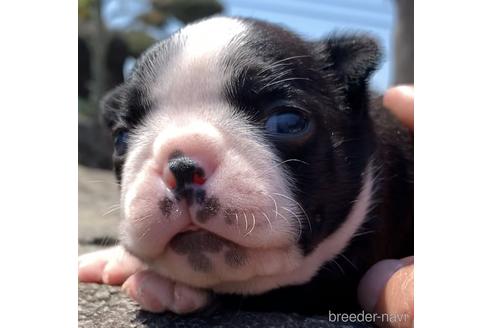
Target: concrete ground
{"type": "Point", "coordinates": [106, 306]}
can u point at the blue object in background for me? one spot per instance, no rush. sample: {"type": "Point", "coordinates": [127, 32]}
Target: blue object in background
{"type": "Point", "coordinates": [311, 19]}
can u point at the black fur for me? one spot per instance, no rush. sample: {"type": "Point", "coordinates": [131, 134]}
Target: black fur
{"type": "Point", "coordinates": [387, 232]}
{"type": "Point", "coordinates": [327, 80]}
{"type": "Point", "coordinates": [316, 79]}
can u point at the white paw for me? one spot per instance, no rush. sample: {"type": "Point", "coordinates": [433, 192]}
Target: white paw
{"type": "Point", "coordinates": [111, 266]}
{"type": "Point", "coordinates": [155, 293]}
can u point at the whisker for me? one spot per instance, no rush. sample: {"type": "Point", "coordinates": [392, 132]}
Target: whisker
{"type": "Point", "coordinates": [237, 223]}
{"type": "Point", "coordinates": [104, 241]}
{"type": "Point", "coordinates": [283, 217]}
{"type": "Point", "coordinates": [142, 218]}
{"type": "Point", "coordinates": [351, 263]}
{"type": "Point", "coordinates": [144, 234]}
{"type": "Point", "coordinates": [102, 181]}
{"type": "Point", "coordinates": [268, 220]}
{"type": "Point", "coordinates": [265, 215]}
{"type": "Point", "coordinates": [297, 218]}
{"type": "Point", "coordinates": [275, 203]}
{"type": "Point", "coordinates": [245, 222]}
{"type": "Point", "coordinates": [327, 268]}
{"type": "Point", "coordinates": [363, 233]}
{"type": "Point", "coordinates": [253, 227]}
{"type": "Point", "coordinates": [338, 265]}
{"type": "Point", "coordinates": [112, 210]}
{"type": "Point", "coordinates": [287, 220]}
{"type": "Point", "coordinates": [302, 209]}
{"type": "Point", "coordinates": [114, 205]}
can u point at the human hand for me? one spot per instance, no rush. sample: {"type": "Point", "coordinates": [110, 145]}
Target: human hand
{"type": "Point", "coordinates": [387, 287]}
{"type": "Point", "coordinates": [399, 100]}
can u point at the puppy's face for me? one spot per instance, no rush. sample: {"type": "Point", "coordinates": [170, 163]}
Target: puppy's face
{"type": "Point", "coordinates": [240, 148]}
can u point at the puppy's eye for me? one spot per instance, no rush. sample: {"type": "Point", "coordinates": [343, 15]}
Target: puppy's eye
{"type": "Point", "coordinates": [121, 142]}
{"type": "Point", "coordinates": [288, 122]}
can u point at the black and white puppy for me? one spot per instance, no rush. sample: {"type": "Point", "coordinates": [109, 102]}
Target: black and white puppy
{"type": "Point", "coordinates": [252, 162]}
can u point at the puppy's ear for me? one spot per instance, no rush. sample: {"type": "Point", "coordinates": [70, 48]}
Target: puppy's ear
{"type": "Point", "coordinates": [352, 58]}
{"type": "Point", "coordinates": [111, 106]}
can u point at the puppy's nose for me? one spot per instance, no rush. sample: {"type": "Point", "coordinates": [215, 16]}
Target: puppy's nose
{"type": "Point", "coordinates": [184, 171]}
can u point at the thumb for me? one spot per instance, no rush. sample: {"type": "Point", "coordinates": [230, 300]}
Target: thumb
{"type": "Point", "coordinates": [400, 101]}
{"type": "Point", "coordinates": [387, 288]}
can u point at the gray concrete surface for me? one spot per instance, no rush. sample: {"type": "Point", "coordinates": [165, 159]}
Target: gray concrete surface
{"type": "Point", "coordinates": [98, 205]}
{"type": "Point", "coordinates": [105, 306]}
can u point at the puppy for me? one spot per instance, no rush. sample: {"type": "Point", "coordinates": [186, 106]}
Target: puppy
{"type": "Point", "coordinates": [252, 162]}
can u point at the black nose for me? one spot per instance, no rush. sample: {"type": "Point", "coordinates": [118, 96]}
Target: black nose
{"type": "Point", "coordinates": [185, 171]}
{"type": "Point", "coordinates": [182, 168]}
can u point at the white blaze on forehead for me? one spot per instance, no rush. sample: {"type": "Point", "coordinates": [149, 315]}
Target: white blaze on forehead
{"type": "Point", "coordinates": [207, 38]}
{"type": "Point", "coordinates": [196, 73]}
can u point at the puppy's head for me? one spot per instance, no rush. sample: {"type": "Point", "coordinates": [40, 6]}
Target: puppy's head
{"type": "Point", "coordinates": [240, 148]}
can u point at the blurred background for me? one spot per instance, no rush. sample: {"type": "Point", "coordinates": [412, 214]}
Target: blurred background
{"type": "Point", "coordinates": [112, 33]}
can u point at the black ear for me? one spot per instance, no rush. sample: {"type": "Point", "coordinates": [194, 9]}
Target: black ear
{"type": "Point", "coordinates": [111, 106]}
{"type": "Point", "coordinates": [352, 58]}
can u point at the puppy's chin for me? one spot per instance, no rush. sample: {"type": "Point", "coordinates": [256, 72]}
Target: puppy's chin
{"type": "Point", "coordinates": [204, 260]}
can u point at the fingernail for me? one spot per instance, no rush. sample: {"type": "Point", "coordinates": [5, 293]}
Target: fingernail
{"type": "Point", "coordinates": [373, 282]}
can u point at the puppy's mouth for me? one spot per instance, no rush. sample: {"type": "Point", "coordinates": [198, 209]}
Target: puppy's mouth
{"type": "Point", "coordinates": [194, 238]}
{"type": "Point", "coordinates": [200, 246]}
{"type": "Point", "coordinates": [199, 241]}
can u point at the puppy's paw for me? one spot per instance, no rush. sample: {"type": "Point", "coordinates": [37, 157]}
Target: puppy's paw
{"type": "Point", "coordinates": [155, 293]}
{"type": "Point", "coordinates": [110, 266]}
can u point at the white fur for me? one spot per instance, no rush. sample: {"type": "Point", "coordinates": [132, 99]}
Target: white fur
{"type": "Point", "coordinates": [196, 75]}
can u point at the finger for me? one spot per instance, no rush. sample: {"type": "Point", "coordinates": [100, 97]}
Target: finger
{"type": "Point", "coordinates": [397, 298]}
{"type": "Point", "coordinates": [400, 101]}
{"type": "Point", "coordinates": [387, 288]}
